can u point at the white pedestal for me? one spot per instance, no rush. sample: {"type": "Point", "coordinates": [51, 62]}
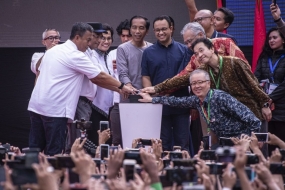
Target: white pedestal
{"type": "Point", "coordinates": [139, 120]}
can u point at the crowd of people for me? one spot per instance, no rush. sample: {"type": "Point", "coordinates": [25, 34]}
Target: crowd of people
{"type": "Point", "coordinates": [207, 77]}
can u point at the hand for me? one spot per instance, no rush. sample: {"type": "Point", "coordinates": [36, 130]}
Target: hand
{"type": "Point", "coordinates": [263, 173]}
{"type": "Point", "coordinates": [150, 166]}
{"type": "Point", "coordinates": [266, 113]}
{"type": "Point", "coordinates": [275, 11]}
{"type": "Point", "coordinates": [114, 164]}
{"type": "Point", "coordinates": [135, 142]}
{"type": "Point", "coordinates": [254, 141]}
{"type": "Point", "coordinates": [146, 97]}
{"type": "Point", "coordinates": [185, 154]}
{"type": "Point", "coordinates": [104, 136]}
{"type": "Point", "coordinates": [83, 165]}
{"type": "Point", "coordinates": [44, 173]}
{"type": "Point", "coordinates": [8, 184]}
{"type": "Point", "coordinates": [207, 182]}
{"type": "Point", "coordinates": [273, 139]}
{"type": "Point", "coordinates": [229, 177]}
{"type": "Point", "coordinates": [128, 90]}
{"type": "Point", "coordinates": [16, 150]}
{"type": "Point", "coordinates": [240, 159]}
{"type": "Point", "coordinates": [275, 156]}
{"type": "Point", "coordinates": [149, 90]}
{"type": "Point", "coordinates": [157, 148]}
{"type": "Point", "coordinates": [138, 183]}
{"type": "Point", "coordinates": [258, 185]}
{"type": "Point", "coordinates": [244, 142]}
{"type": "Point", "coordinates": [77, 146]}
{"type": "Point", "coordinates": [202, 168]}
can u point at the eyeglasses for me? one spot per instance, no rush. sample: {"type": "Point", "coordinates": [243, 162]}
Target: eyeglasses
{"type": "Point", "coordinates": [200, 19]}
{"type": "Point", "coordinates": [190, 41]}
{"type": "Point", "coordinates": [157, 30]}
{"type": "Point", "coordinates": [52, 38]}
{"type": "Point", "coordinates": [198, 82]}
{"type": "Point", "coordinates": [104, 39]}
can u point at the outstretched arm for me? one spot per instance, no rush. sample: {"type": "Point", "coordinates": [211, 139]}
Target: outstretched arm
{"type": "Point", "coordinates": [192, 9]}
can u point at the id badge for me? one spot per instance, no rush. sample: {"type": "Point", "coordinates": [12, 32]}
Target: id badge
{"type": "Point", "coordinates": [272, 87]}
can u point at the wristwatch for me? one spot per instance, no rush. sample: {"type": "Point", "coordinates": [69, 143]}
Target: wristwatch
{"type": "Point", "coordinates": [266, 105]}
{"type": "Point", "coordinates": [122, 85]}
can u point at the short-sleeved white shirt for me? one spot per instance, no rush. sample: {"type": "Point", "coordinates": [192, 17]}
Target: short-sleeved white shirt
{"type": "Point", "coordinates": [112, 56]}
{"type": "Point", "coordinates": [58, 87]}
{"type": "Point", "coordinates": [35, 58]}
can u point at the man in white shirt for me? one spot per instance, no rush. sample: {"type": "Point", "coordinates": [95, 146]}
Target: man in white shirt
{"type": "Point", "coordinates": [56, 93]}
{"type": "Point", "coordinates": [50, 38]}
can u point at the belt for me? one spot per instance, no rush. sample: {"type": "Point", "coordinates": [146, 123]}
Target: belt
{"type": "Point", "coordinates": [83, 98]}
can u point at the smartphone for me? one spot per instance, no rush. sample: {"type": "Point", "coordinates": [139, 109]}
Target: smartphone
{"type": "Point", "coordinates": [31, 158]}
{"type": "Point", "coordinates": [104, 151]}
{"type": "Point", "coordinates": [184, 162]}
{"type": "Point", "coordinates": [133, 156]}
{"type": "Point", "coordinates": [165, 182]}
{"type": "Point", "coordinates": [282, 152]}
{"type": "Point", "coordinates": [166, 163]}
{"type": "Point", "coordinates": [223, 141]}
{"type": "Point", "coordinates": [274, 2]}
{"type": "Point", "coordinates": [207, 142]}
{"type": "Point", "coordinates": [129, 168]}
{"type": "Point", "coordinates": [262, 137]}
{"type": "Point", "coordinates": [175, 155]}
{"type": "Point", "coordinates": [104, 125]}
{"type": "Point", "coordinates": [65, 162]}
{"type": "Point", "coordinates": [53, 162]}
{"type": "Point", "coordinates": [252, 159]}
{"type": "Point", "coordinates": [276, 168]}
{"type": "Point", "coordinates": [146, 142]}
{"type": "Point", "coordinates": [21, 176]}
{"type": "Point", "coordinates": [73, 177]}
{"type": "Point", "coordinates": [208, 155]}
{"type": "Point", "coordinates": [99, 176]}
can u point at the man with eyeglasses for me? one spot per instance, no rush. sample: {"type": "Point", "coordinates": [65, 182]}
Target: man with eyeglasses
{"type": "Point", "coordinates": [162, 60]}
{"type": "Point", "coordinates": [206, 19]}
{"type": "Point", "coordinates": [225, 115]}
{"type": "Point", "coordinates": [50, 38]}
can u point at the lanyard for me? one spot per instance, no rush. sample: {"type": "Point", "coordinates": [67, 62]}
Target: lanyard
{"type": "Point", "coordinates": [207, 115]}
{"type": "Point", "coordinates": [217, 83]}
{"type": "Point", "coordinates": [272, 68]}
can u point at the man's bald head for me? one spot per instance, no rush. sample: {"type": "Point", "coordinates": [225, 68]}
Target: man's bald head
{"type": "Point", "coordinates": [205, 18]}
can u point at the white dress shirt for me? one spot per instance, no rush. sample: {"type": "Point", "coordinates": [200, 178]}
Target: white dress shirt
{"type": "Point", "coordinates": [36, 56]}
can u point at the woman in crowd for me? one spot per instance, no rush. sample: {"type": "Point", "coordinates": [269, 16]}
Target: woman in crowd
{"type": "Point", "coordinates": [271, 66]}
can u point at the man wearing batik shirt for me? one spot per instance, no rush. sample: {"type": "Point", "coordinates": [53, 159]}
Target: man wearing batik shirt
{"type": "Point", "coordinates": [225, 115]}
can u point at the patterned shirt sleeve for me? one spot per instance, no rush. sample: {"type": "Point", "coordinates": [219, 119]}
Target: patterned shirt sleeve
{"type": "Point", "coordinates": [182, 102]}
{"type": "Point", "coordinates": [239, 111]}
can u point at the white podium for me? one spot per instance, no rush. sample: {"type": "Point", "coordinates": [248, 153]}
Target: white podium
{"type": "Point", "coordinates": [139, 120]}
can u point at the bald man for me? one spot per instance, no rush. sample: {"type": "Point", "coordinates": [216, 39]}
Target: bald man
{"type": "Point", "coordinates": [206, 19]}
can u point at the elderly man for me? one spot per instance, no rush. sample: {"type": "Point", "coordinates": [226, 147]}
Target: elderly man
{"type": "Point", "coordinates": [56, 93]}
{"type": "Point", "coordinates": [50, 38]}
{"type": "Point", "coordinates": [225, 115]}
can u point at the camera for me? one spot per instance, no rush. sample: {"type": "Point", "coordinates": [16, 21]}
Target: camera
{"type": "Point", "coordinates": [225, 154]}
{"type": "Point", "coordinates": [175, 155]}
{"type": "Point", "coordinates": [4, 149]}
{"type": "Point", "coordinates": [104, 125]}
{"type": "Point", "coordinates": [181, 174]}
{"type": "Point", "coordinates": [146, 142]}
{"type": "Point", "coordinates": [208, 155]}
{"type": "Point", "coordinates": [276, 168]}
{"type": "Point", "coordinates": [223, 141]}
{"type": "Point", "coordinates": [216, 168]}
{"type": "Point", "coordinates": [252, 159]}
{"type": "Point", "coordinates": [184, 162]}
{"type": "Point", "coordinates": [129, 168]}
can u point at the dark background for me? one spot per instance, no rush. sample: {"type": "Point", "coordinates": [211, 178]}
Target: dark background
{"type": "Point", "coordinates": [21, 25]}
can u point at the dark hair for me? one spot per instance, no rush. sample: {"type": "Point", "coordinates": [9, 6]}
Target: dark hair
{"type": "Point", "coordinates": [79, 28]}
{"type": "Point", "coordinates": [142, 17]}
{"type": "Point", "coordinates": [206, 41]}
{"type": "Point", "coordinates": [163, 17]}
{"type": "Point", "coordinates": [172, 22]}
{"type": "Point", "coordinates": [266, 50]}
{"type": "Point", "coordinates": [124, 25]}
{"type": "Point", "coordinates": [229, 15]}
{"type": "Point", "coordinates": [107, 27]}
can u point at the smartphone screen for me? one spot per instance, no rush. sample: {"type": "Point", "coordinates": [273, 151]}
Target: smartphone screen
{"type": "Point", "coordinates": [206, 142]}
{"type": "Point", "coordinates": [274, 2]}
{"type": "Point", "coordinates": [262, 137]}
{"type": "Point", "coordinates": [104, 151]}
{"type": "Point", "coordinates": [225, 141]}
{"type": "Point", "coordinates": [146, 142]}
{"type": "Point", "coordinates": [104, 125]}
{"type": "Point", "coordinates": [129, 171]}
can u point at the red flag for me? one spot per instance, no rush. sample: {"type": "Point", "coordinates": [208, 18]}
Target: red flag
{"type": "Point", "coordinates": [219, 3]}
{"type": "Point", "coordinates": [259, 34]}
